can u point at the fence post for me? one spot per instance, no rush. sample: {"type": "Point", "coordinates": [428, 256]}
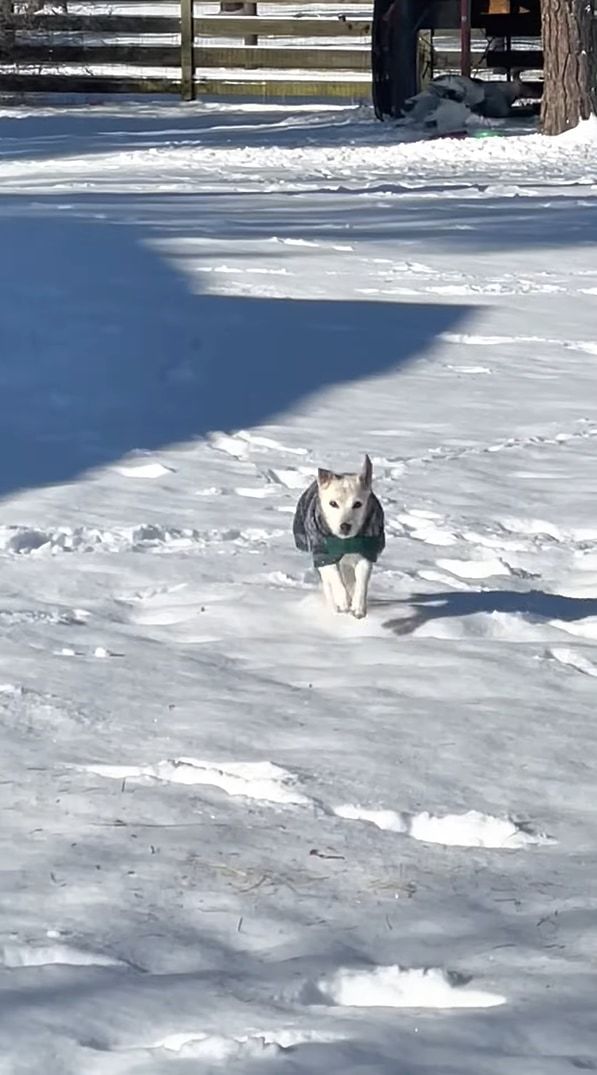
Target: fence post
{"type": "Point", "coordinates": [187, 51]}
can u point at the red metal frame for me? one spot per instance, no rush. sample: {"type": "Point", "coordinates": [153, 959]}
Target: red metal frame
{"type": "Point", "coordinates": [465, 37]}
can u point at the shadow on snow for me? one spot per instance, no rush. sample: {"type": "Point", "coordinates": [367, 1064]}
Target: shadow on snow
{"type": "Point", "coordinates": [534, 604]}
{"type": "Point", "coordinates": [104, 349]}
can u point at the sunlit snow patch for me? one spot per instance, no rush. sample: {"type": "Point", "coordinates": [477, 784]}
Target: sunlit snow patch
{"type": "Point", "coordinates": [253, 780]}
{"type": "Point", "coordinates": [143, 470]}
{"type": "Point", "coordinates": [216, 1047]}
{"type": "Point", "coordinates": [258, 1045]}
{"type": "Point", "coordinates": [573, 659]}
{"type": "Point", "coordinates": [395, 987]}
{"type": "Point", "coordinates": [15, 954]}
{"type": "Point", "coordinates": [472, 829]}
{"type": "Point", "coordinates": [474, 569]}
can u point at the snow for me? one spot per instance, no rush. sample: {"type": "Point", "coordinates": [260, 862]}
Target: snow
{"type": "Point", "coordinates": [471, 829]}
{"type": "Point", "coordinates": [143, 470]}
{"type": "Point", "coordinates": [241, 834]}
{"type": "Point", "coordinates": [393, 987]}
{"type": "Point", "coordinates": [257, 780]}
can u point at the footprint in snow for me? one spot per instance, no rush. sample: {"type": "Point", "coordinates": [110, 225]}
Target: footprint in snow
{"type": "Point", "coordinates": [150, 592]}
{"type": "Point", "coordinates": [76, 617]}
{"type": "Point", "coordinates": [144, 538]}
{"type": "Point", "coordinates": [98, 652]}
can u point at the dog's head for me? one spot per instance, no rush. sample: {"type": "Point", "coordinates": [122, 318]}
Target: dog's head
{"type": "Point", "coordinates": [344, 499]}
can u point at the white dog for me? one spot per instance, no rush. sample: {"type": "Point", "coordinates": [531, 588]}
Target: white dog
{"type": "Point", "coordinates": [340, 521]}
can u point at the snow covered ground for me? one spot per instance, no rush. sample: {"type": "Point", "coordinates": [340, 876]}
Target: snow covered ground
{"type": "Point", "coordinates": [240, 835]}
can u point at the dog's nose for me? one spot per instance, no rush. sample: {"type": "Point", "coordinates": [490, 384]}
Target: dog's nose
{"type": "Point", "coordinates": [345, 528]}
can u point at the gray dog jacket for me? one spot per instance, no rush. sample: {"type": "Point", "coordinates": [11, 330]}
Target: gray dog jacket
{"type": "Point", "coordinates": [312, 534]}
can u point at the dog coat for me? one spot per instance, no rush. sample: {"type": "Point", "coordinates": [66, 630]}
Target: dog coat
{"type": "Point", "coordinates": [312, 534]}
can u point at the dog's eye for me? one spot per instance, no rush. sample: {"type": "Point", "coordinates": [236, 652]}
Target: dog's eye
{"type": "Point", "coordinates": [333, 503]}
{"type": "Point", "coordinates": [357, 504]}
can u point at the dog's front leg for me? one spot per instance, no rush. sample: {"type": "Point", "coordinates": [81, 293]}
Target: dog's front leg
{"type": "Point", "coordinates": [362, 574]}
{"type": "Point", "coordinates": [333, 588]}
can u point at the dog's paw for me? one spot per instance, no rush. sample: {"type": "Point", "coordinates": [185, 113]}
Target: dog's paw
{"type": "Point", "coordinates": [358, 611]}
{"type": "Point", "coordinates": [337, 604]}
{"type": "Point", "coordinates": [341, 606]}
{"type": "Point", "coordinates": [338, 600]}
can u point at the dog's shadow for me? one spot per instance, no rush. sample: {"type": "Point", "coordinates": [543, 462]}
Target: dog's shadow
{"type": "Point", "coordinates": [535, 605]}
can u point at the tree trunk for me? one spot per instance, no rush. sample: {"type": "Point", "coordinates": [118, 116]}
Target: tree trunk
{"type": "Point", "coordinates": [394, 55]}
{"type": "Point", "coordinates": [7, 34]}
{"type": "Point", "coordinates": [568, 28]}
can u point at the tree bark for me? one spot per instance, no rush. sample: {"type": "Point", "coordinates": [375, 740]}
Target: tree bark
{"type": "Point", "coordinates": [570, 67]}
{"type": "Point", "coordinates": [7, 34]}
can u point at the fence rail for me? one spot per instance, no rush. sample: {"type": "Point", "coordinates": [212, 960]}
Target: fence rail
{"type": "Point", "coordinates": [316, 49]}
{"type": "Point", "coordinates": [313, 48]}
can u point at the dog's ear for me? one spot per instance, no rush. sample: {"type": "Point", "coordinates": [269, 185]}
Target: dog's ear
{"type": "Point", "coordinates": [366, 473]}
{"type": "Point", "coordinates": [324, 477]}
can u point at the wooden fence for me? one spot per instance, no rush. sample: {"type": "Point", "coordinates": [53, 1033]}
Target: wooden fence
{"type": "Point", "coordinates": [284, 49]}
{"type": "Point", "coordinates": [220, 47]}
